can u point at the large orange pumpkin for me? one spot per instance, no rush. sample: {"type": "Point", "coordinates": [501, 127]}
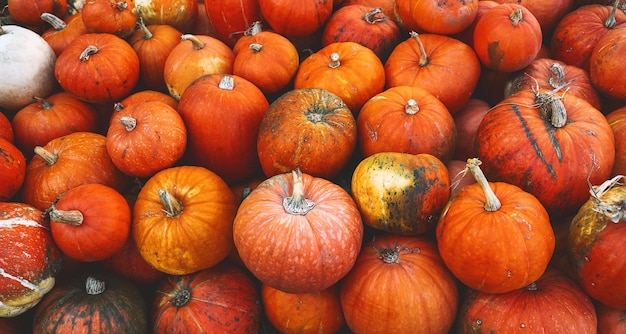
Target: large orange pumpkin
{"type": "Point", "coordinates": [182, 219]}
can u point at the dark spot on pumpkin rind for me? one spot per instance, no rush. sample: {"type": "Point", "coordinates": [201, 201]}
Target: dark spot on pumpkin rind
{"type": "Point", "coordinates": [495, 54]}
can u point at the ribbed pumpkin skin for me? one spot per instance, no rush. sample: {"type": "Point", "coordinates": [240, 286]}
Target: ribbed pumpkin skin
{"type": "Point", "coordinates": [68, 308]}
{"type": "Point", "coordinates": [221, 299]}
{"type": "Point", "coordinates": [617, 121]}
{"type": "Point", "coordinates": [23, 231]}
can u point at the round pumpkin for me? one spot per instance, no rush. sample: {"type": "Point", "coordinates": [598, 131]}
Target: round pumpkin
{"type": "Point", "coordinates": [231, 18]}
{"type": "Point", "coordinates": [117, 17]}
{"type": "Point", "coordinates": [90, 222]}
{"type": "Point", "coordinates": [605, 61]}
{"type": "Point", "coordinates": [12, 169]}
{"type": "Point", "coordinates": [594, 244]}
{"type": "Point", "coordinates": [179, 14]}
{"type": "Point", "coordinates": [28, 12]}
{"type": "Point", "coordinates": [494, 236]}
{"type": "Point", "coordinates": [400, 193]}
{"type": "Point", "coordinates": [617, 121]}
{"type": "Point", "coordinates": [310, 129]}
{"type": "Point", "coordinates": [223, 138]}
{"type": "Point", "coordinates": [220, 299]}
{"type": "Point", "coordinates": [182, 219]}
{"type": "Point", "coordinates": [317, 312]}
{"type": "Point", "coordinates": [436, 17]}
{"type": "Point", "coordinates": [554, 303]}
{"type": "Point", "coordinates": [548, 13]}
{"type": "Point", "coordinates": [394, 274]}
{"type": "Point", "coordinates": [25, 279]}
{"type": "Point", "coordinates": [296, 18]}
{"type": "Point", "coordinates": [298, 233]}
{"type": "Point", "coordinates": [92, 303]}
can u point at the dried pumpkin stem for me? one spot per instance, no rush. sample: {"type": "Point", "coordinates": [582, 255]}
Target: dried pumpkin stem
{"type": "Point", "coordinates": [610, 21]}
{"type": "Point", "coordinates": [516, 16]}
{"type": "Point", "coordinates": [181, 297]}
{"type": "Point", "coordinates": [552, 107]}
{"type": "Point", "coordinates": [173, 207]}
{"type": "Point", "coordinates": [256, 47]}
{"type": "Point", "coordinates": [88, 52]}
{"type": "Point", "coordinates": [121, 5]}
{"type": "Point", "coordinates": [492, 203]}
{"type": "Point", "coordinates": [614, 210]}
{"type": "Point", "coordinates": [254, 29]}
{"type": "Point", "coordinates": [227, 83]}
{"type": "Point", "coordinates": [195, 41]}
{"type": "Point", "coordinates": [49, 157]}
{"type": "Point", "coordinates": [411, 107]}
{"type": "Point", "coordinates": [297, 204]}
{"type": "Point", "coordinates": [532, 287]}
{"type": "Point", "coordinates": [44, 103]}
{"type": "Point", "coordinates": [54, 21]}
{"type": "Point", "coordinates": [423, 61]}
{"type": "Point", "coordinates": [557, 80]}
{"type": "Point", "coordinates": [334, 60]}
{"type": "Point", "coordinates": [94, 286]}
{"type": "Point", "coordinates": [388, 255]}
{"type": "Point", "coordinates": [129, 123]}
{"type": "Point", "coordinates": [69, 217]}
{"type": "Point", "coordinates": [147, 34]}
{"type": "Point", "coordinates": [371, 16]}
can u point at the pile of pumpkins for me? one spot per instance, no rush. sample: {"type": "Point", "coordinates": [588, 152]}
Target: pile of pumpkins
{"type": "Point", "coordinates": [312, 166]}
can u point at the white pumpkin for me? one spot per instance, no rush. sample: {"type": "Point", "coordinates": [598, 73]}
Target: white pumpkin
{"type": "Point", "coordinates": [26, 67]}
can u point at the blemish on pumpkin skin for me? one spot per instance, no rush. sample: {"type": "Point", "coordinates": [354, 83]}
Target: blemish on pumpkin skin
{"type": "Point", "coordinates": [496, 56]}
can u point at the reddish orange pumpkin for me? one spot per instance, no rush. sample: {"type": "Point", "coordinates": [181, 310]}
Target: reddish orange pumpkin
{"type": "Point", "coordinates": [6, 128]}
{"type": "Point", "coordinates": [406, 119]}
{"type": "Point", "coordinates": [444, 66]}
{"type": "Point", "coordinates": [98, 68]}
{"type": "Point", "coordinates": [607, 59]}
{"type": "Point", "coordinates": [296, 18]}
{"type": "Point", "coordinates": [63, 31]}
{"type": "Point", "coordinates": [231, 18]}
{"type": "Point", "coordinates": [349, 70]}
{"type": "Point", "coordinates": [298, 233]}
{"type": "Point", "coordinates": [180, 14]}
{"type": "Point", "coordinates": [482, 223]}
{"type": "Point", "coordinates": [67, 162]}
{"type": "Point", "coordinates": [144, 138]}
{"type": "Point", "coordinates": [385, 5]}
{"type": "Point", "coordinates": [554, 303]}
{"type": "Point", "coordinates": [223, 138]}
{"type": "Point", "coordinates": [467, 36]}
{"type": "Point", "coordinates": [183, 218]}
{"type": "Point", "coordinates": [25, 279]}
{"type": "Point", "coordinates": [12, 169]}
{"type": "Point", "coordinates": [117, 17]}
{"type": "Point", "coordinates": [436, 17]}
{"type": "Point", "coordinates": [617, 121]}
{"type": "Point", "coordinates": [427, 288]}
{"type": "Point", "coordinates": [310, 129]}
{"type": "Point", "coordinates": [507, 37]}
{"type": "Point", "coordinates": [28, 12]}
{"type": "Point", "coordinates": [145, 95]}
{"type": "Point", "coordinates": [317, 312]}
{"type": "Point", "coordinates": [51, 117]}
{"type": "Point", "coordinates": [221, 299]}
{"type": "Point", "coordinates": [548, 13]}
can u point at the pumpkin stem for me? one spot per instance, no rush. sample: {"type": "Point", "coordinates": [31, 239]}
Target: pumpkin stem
{"type": "Point", "coordinates": [173, 207]}
{"type": "Point", "coordinates": [557, 80]}
{"type": "Point", "coordinates": [371, 16]}
{"type": "Point", "coordinates": [49, 157]}
{"type": "Point", "coordinates": [256, 47]}
{"type": "Point", "coordinates": [227, 83]}
{"type": "Point", "coordinates": [423, 61]}
{"type": "Point", "coordinates": [516, 16]}
{"type": "Point", "coordinates": [118, 106]}
{"type": "Point", "coordinates": [94, 286]}
{"type": "Point", "coordinates": [532, 287]}
{"type": "Point", "coordinates": [121, 5]}
{"type": "Point", "coordinates": [411, 107]}
{"type": "Point", "coordinates": [44, 103]}
{"type": "Point", "coordinates": [551, 106]}
{"type": "Point", "coordinates": [615, 211]}
{"type": "Point", "coordinates": [89, 51]}
{"type": "Point", "coordinates": [492, 203]}
{"type": "Point", "coordinates": [54, 21]}
{"type": "Point", "coordinates": [297, 204]}
{"type": "Point", "coordinates": [195, 41]}
{"type": "Point", "coordinates": [334, 60]}
{"type": "Point", "coordinates": [147, 34]}
{"type": "Point", "coordinates": [254, 29]}
{"type": "Point", "coordinates": [610, 22]}
{"type": "Point", "coordinates": [129, 123]}
{"type": "Point", "coordinates": [181, 297]}
{"type": "Point", "coordinates": [388, 255]}
{"type": "Point", "coordinates": [69, 217]}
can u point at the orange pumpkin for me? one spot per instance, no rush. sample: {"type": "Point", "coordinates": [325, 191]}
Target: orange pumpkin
{"type": "Point", "coordinates": [179, 14]}
{"type": "Point", "coordinates": [296, 18]}
{"type": "Point", "coordinates": [605, 61]}
{"type": "Point", "coordinates": [117, 17]}
{"type": "Point", "coordinates": [548, 13]}
{"type": "Point", "coordinates": [63, 31]}
{"type": "Point", "coordinates": [482, 223]}
{"type": "Point", "coordinates": [12, 169]}
{"type": "Point", "coordinates": [28, 12]}
{"type": "Point", "coordinates": [617, 121]}
{"type": "Point", "coordinates": [231, 18]}
{"type": "Point", "coordinates": [183, 218]}
{"type": "Point", "coordinates": [436, 17]}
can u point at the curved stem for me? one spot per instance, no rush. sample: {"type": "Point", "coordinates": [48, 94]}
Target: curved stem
{"type": "Point", "coordinates": [610, 21]}
{"type": "Point", "coordinates": [53, 20]}
{"type": "Point", "coordinates": [297, 204]}
{"type": "Point", "coordinates": [516, 16]}
{"type": "Point", "coordinates": [89, 51]}
{"type": "Point", "coordinates": [227, 83]}
{"type": "Point", "coordinates": [172, 206]}
{"type": "Point", "coordinates": [423, 61]}
{"type": "Point", "coordinates": [49, 157]}
{"type": "Point", "coordinates": [371, 16]}
{"type": "Point", "coordinates": [129, 123]}
{"type": "Point", "coordinates": [147, 34]}
{"type": "Point", "coordinates": [334, 60]}
{"type": "Point", "coordinates": [552, 107]}
{"type": "Point", "coordinates": [492, 203]}
{"type": "Point", "coordinates": [195, 41]}
{"type": "Point", "coordinates": [614, 210]}
{"type": "Point", "coordinates": [44, 103]}
{"type": "Point", "coordinates": [256, 47]}
{"type": "Point", "coordinates": [94, 286]}
{"type": "Point", "coordinates": [69, 217]}
{"type": "Point", "coordinates": [557, 80]}
{"type": "Point", "coordinates": [411, 107]}
{"type": "Point", "coordinates": [254, 29]}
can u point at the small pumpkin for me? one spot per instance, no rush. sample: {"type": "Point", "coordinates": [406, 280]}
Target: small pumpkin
{"type": "Point", "coordinates": [25, 279]}
{"type": "Point", "coordinates": [12, 169]}
{"type": "Point", "coordinates": [63, 31]}
{"type": "Point", "coordinates": [92, 303]}
{"type": "Point", "coordinates": [605, 61]}
{"type": "Point", "coordinates": [298, 233]}
{"type": "Point", "coordinates": [401, 193]}
{"type": "Point", "coordinates": [231, 18]}
{"type": "Point", "coordinates": [179, 14]}
{"type": "Point", "coordinates": [480, 225]}
{"type": "Point", "coordinates": [117, 17]}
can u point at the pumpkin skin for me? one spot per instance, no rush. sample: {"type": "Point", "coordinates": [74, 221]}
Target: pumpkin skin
{"type": "Point", "coordinates": [98, 68]}
{"type": "Point", "coordinates": [349, 70]}
{"type": "Point", "coordinates": [310, 129]}
{"type": "Point", "coordinates": [223, 138]}
{"type": "Point", "coordinates": [128, 263]}
{"type": "Point", "coordinates": [12, 169]}
{"type": "Point", "coordinates": [283, 231]}
{"type": "Point", "coordinates": [177, 241]}
{"type": "Point", "coordinates": [552, 304]}
{"type": "Point", "coordinates": [607, 59]}
{"type": "Point", "coordinates": [443, 18]}
{"type": "Point", "coordinates": [594, 244]}
{"type": "Point", "coordinates": [98, 303]}
{"type": "Point", "coordinates": [6, 128]}
{"type": "Point", "coordinates": [423, 60]}
{"type": "Point", "coordinates": [482, 222]}
{"type": "Point", "coordinates": [144, 138]}
{"type": "Point", "coordinates": [296, 18]}
{"type": "Point", "coordinates": [371, 289]}
{"type": "Point", "coordinates": [317, 312]}
{"type": "Point", "coordinates": [25, 279]}
{"type": "Point", "coordinates": [466, 122]}
{"type": "Point", "coordinates": [610, 320]}
{"type": "Point", "coordinates": [617, 121]}
{"type": "Point", "coordinates": [66, 162]}
{"type": "Point", "coordinates": [180, 14]}
{"type": "Point", "coordinates": [552, 161]}
{"type": "Point", "coordinates": [507, 37]}
{"type": "Point", "coordinates": [27, 68]}
{"type": "Point", "coordinates": [401, 193]}
{"type": "Point", "coordinates": [548, 13]}
{"type": "Point", "coordinates": [63, 31]}
{"type": "Point", "coordinates": [230, 18]}
{"type": "Point", "coordinates": [117, 17]}
{"type": "Point", "coordinates": [406, 119]}
{"type": "Point", "coordinates": [221, 299]}
{"type": "Point", "coordinates": [51, 117]}
{"type": "Point", "coordinates": [90, 222]}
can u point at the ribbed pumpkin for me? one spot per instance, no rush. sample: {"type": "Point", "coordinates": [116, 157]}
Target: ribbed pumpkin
{"type": "Point", "coordinates": [63, 31]}
{"type": "Point", "coordinates": [617, 121]}
{"type": "Point", "coordinates": [97, 303]}
{"type": "Point", "coordinates": [12, 170]}
{"type": "Point", "coordinates": [230, 18]}
{"type": "Point", "coordinates": [25, 279]}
